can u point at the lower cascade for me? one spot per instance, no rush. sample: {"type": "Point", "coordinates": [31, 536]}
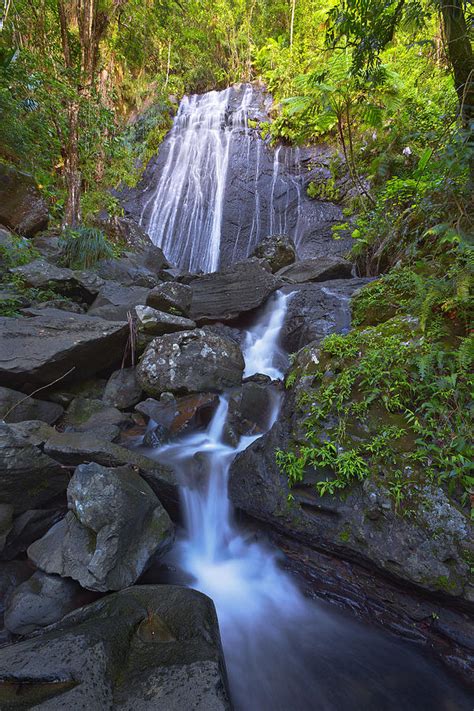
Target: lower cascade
{"type": "Point", "coordinates": [282, 650]}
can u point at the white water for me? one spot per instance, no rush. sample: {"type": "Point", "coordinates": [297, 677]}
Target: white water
{"type": "Point", "coordinates": [262, 351]}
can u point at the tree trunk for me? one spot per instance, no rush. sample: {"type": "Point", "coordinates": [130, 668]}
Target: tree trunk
{"type": "Point", "coordinates": [72, 174]}
{"type": "Point", "coordinates": [459, 51]}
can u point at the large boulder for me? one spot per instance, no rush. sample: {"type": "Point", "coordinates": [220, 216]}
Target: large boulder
{"type": "Point", "coordinates": [126, 231]}
{"type": "Point", "coordinates": [171, 297]}
{"type": "Point", "coordinates": [115, 525]}
{"type": "Point", "coordinates": [157, 323]}
{"type": "Point", "coordinates": [320, 268]}
{"type": "Point", "coordinates": [28, 477]}
{"type": "Point", "coordinates": [190, 361]}
{"type": "Point", "coordinates": [222, 296]}
{"type": "Point", "coordinates": [277, 250]}
{"type": "Point", "coordinates": [40, 350]}
{"type": "Point", "coordinates": [149, 647]}
{"type": "Point", "coordinates": [22, 207]}
{"type": "Point", "coordinates": [80, 285]}
{"type": "Point", "coordinates": [127, 271]}
{"type": "Point", "coordinates": [17, 407]}
{"type": "Point", "coordinates": [40, 601]}
{"type": "Point", "coordinates": [115, 301]}
{"type": "Point", "coordinates": [316, 310]}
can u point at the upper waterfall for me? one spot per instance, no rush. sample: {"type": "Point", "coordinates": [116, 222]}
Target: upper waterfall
{"type": "Point", "coordinates": [217, 187]}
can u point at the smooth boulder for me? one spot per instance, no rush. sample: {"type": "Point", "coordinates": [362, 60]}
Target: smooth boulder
{"type": "Point", "coordinates": [115, 301]}
{"type": "Point", "coordinates": [277, 250]}
{"type": "Point", "coordinates": [321, 268]}
{"type": "Point", "coordinates": [151, 647]}
{"type": "Point", "coordinates": [42, 349]}
{"type": "Point", "coordinates": [221, 296]}
{"type": "Point", "coordinates": [22, 207]}
{"type": "Point", "coordinates": [189, 362]}
{"type": "Point", "coordinates": [114, 526]}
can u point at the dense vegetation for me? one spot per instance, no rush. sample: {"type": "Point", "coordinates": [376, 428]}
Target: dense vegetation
{"type": "Point", "coordinates": [88, 90]}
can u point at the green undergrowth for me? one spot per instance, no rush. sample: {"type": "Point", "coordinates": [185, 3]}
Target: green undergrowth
{"type": "Point", "coordinates": [392, 399]}
{"type": "Point", "coordinates": [83, 247]}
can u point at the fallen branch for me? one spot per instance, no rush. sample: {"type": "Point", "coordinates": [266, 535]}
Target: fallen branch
{"type": "Point", "coordinates": [43, 387]}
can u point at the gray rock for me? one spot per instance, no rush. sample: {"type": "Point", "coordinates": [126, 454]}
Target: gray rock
{"type": "Point", "coordinates": [42, 349]}
{"type": "Point", "coordinates": [190, 361]}
{"type": "Point", "coordinates": [49, 246]}
{"type": "Point", "coordinates": [33, 431]}
{"type": "Point", "coordinates": [21, 407]}
{"type": "Point", "coordinates": [158, 323]}
{"type": "Point", "coordinates": [171, 297]}
{"type": "Point", "coordinates": [223, 295]}
{"type": "Point", "coordinates": [127, 271]}
{"type": "Point", "coordinates": [277, 250]}
{"type": "Point", "coordinates": [73, 448]}
{"type": "Point", "coordinates": [28, 527]}
{"type": "Point", "coordinates": [115, 525]}
{"type": "Point", "coordinates": [40, 601]}
{"type": "Point", "coordinates": [316, 310]}
{"type": "Point", "coordinates": [149, 647]}
{"type": "Point", "coordinates": [12, 574]}
{"type": "Point", "coordinates": [22, 207]}
{"type": "Point", "coordinates": [124, 230]}
{"type": "Point", "coordinates": [123, 389]}
{"type": "Point", "coordinates": [89, 414]}
{"type": "Point", "coordinates": [61, 304]}
{"type": "Point", "coordinates": [428, 549]}
{"type": "Point", "coordinates": [28, 478]}
{"type": "Point", "coordinates": [115, 301]}
{"type": "Point", "coordinates": [79, 285]}
{"type": "Point", "coordinates": [321, 268]}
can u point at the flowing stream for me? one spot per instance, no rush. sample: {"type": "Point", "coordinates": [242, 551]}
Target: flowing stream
{"type": "Point", "coordinates": [283, 651]}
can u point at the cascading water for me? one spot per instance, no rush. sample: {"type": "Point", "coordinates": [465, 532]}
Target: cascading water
{"type": "Point", "coordinates": [217, 187]}
{"type": "Point", "coordinates": [283, 652]}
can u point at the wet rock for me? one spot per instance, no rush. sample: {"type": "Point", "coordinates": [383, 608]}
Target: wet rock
{"type": "Point", "coordinates": [427, 549]}
{"type": "Point", "coordinates": [20, 407]}
{"type": "Point", "coordinates": [176, 415]}
{"type": "Point", "coordinates": [223, 295]}
{"type": "Point", "coordinates": [115, 301]}
{"type": "Point", "coordinates": [22, 207]}
{"type": "Point", "coordinates": [155, 437]}
{"type": "Point", "coordinates": [171, 297]}
{"type": "Point", "coordinates": [251, 409]}
{"type": "Point", "coordinates": [321, 268]}
{"type": "Point", "coordinates": [122, 390]}
{"type": "Point", "coordinates": [158, 323]}
{"type": "Point", "coordinates": [114, 526]}
{"type": "Point", "coordinates": [28, 527]}
{"type": "Point", "coordinates": [28, 478]}
{"type": "Point", "coordinates": [41, 349]}
{"type": "Point", "coordinates": [148, 647]}
{"type": "Point", "coordinates": [190, 361]}
{"type": "Point", "coordinates": [40, 601]}
{"type": "Point", "coordinates": [277, 250]}
{"type": "Point", "coordinates": [316, 310]}
{"type": "Point", "coordinates": [73, 448]}
{"type": "Point", "coordinates": [80, 285]}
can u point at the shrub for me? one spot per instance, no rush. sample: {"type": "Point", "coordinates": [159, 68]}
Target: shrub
{"type": "Point", "coordinates": [85, 246]}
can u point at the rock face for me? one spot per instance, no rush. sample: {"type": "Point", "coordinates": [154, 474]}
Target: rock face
{"type": "Point", "coordinates": [320, 268]}
{"type": "Point", "coordinates": [26, 408]}
{"type": "Point", "coordinates": [316, 310]}
{"type": "Point", "coordinates": [188, 362]}
{"type": "Point", "coordinates": [41, 349]}
{"type": "Point", "coordinates": [28, 478]}
{"type": "Point", "coordinates": [428, 549]}
{"type": "Point", "coordinates": [115, 301]}
{"type": "Point", "coordinates": [114, 526]}
{"type": "Point", "coordinates": [157, 323]}
{"type": "Point", "coordinates": [222, 296]}
{"type": "Point", "coordinates": [81, 285]}
{"type": "Point", "coordinates": [22, 207]}
{"type": "Point", "coordinates": [277, 250]}
{"type": "Point", "coordinates": [150, 647]}
{"type": "Point", "coordinates": [171, 297]}
{"type": "Point", "coordinates": [40, 601]}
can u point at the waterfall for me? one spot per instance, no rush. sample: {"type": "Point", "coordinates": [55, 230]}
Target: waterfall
{"type": "Point", "coordinates": [217, 188]}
